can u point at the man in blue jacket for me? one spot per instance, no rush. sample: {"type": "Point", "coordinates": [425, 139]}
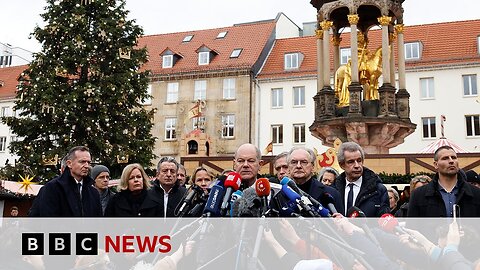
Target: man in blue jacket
{"type": "Point", "coordinates": [358, 185]}
{"type": "Point", "coordinates": [72, 193]}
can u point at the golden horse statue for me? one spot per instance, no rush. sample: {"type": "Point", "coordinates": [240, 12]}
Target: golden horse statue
{"type": "Point", "coordinates": [369, 70]}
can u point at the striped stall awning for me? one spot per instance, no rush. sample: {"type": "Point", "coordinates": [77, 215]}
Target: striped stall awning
{"type": "Point", "coordinates": [431, 148]}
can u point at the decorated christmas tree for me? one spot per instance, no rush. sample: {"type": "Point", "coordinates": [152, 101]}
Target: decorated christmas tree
{"type": "Point", "coordinates": [85, 87]}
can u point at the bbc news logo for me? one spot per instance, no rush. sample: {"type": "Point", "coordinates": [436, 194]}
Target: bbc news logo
{"type": "Point", "coordinates": [87, 244]}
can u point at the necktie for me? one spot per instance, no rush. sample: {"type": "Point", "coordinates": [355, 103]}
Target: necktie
{"type": "Point", "coordinates": [80, 190]}
{"type": "Point", "coordinates": [350, 197]}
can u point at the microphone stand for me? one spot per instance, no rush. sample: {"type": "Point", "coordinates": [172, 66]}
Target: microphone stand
{"type": "Point", "coordinates": [254, 259]}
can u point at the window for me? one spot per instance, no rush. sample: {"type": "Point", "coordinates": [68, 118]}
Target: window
{"type": "Point", "coordinates": [200, 90]}
{"type": "Point", "coordinates": [228, 126]}
{"type": "Point", "coordinates": [199, 123]}
{"type": "Point", "coordinates": [3, 144]}
{"type": "Point", "coordinates": [478, 44]}
{"type": "Point", "coordinates": [170, 125]}
{"type": "Point", "coordinates": [172, 92]}
{"type": "Point", "coordinates": [429, 127]}
{"type": "Point", "coordinates": [6, 111]}
{"type": "Point", "coordinates": [236, 53]}
{"type": "Point", "coordinates": [298, 133]}
{"type": "Point", "coordinates": [187, 38]}
{"type": "Point", "coordinates": [473, 125]}
{"type": "Point", "coordinates": [148, 100]}
{"type": "Point", "coordinates": [277, 97]}
{"type": "Point", "coordinates": [277, 134]}
{"type": "Point", "coordinates": [427, 91]}
{"type": "Point", "coordinates": [299, 96]}
{"type": "Point", "coordinates": [291, 60]}
{"type": "Point", "coordinates": [345, 55]}
{"type": "Point", "coordinates": [167, 61]}
{"type": "Point", "coordinates": [412, 51]}
{"type": "Point", "coordinates": [470, 85]}
{"type": "Point", "coordinates": [203, 58]}
{"type": "Point", "coordinates": [229, 88]}
{"type": "Point", "coordinates": [222, 34]}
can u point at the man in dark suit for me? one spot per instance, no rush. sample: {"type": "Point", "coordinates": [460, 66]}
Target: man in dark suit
{"type": "Point", "coordinates": [72, 193]}
{"type": "Point", "coordinates": [301, 162]}
{"type": "Point", "coordinates": [358, 185]}
{"type": "Point", "coordinates": [448, 187]}
{"type": "Point", "coordinates": [166, 187]}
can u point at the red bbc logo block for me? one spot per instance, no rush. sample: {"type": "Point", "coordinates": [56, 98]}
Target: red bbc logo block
{"type": "Point", "coordinates": [60, 244]}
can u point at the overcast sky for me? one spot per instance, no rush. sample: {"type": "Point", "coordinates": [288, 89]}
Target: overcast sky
{"type": "Point", "coordinates": [19, 17]}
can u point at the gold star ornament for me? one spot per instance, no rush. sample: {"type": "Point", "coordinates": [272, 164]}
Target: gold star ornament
{"type": "Point", "coordinates": [26, 182]}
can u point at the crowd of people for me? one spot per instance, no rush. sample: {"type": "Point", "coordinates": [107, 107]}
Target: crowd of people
{"type": "Point", "coordinates": [295, 191]}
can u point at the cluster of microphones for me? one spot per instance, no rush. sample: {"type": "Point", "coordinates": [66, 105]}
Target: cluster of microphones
{"type": "Point", "coordinates": [268, 199]}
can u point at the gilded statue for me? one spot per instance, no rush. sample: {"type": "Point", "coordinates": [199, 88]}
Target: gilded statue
{"type": "Point", "coordinates": [369, 70]}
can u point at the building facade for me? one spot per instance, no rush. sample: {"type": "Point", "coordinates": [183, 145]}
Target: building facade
{"type": "Point", "coordinates": [442, 67]}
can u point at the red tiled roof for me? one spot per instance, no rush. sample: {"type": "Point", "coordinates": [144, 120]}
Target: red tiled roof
{"type": "Point", "coordinates": [251, 37]}
{"type": "Point", "coordinates": [9, 76]}
{"type": "Point", "coordinates": [443, 44]}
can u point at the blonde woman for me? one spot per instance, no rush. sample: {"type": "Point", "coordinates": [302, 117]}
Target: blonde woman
{"type": "Point", "coordinates": [133, 198]}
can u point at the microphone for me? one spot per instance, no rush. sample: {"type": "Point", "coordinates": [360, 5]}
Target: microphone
{"type": "Point", "coordinates": [354, 212]}
{"type": "Point", "coordinates": [247, 206]}
{"type": "Point", "coordinates": [212, 207]}
{"type": "Point", "coordinates": [295, 199]}
{"type": "Point", "coordinates": [262, 188]}
{"type": "Point", "coordinates": [389, 223]}
{"type": "Point", "coordinates": [327, 199]}
{"type": "Point", "coordinates": [307, 198]}
{"type": "Point", "coordinates": [232, 184]}
{"type": "Point", "coordinates": [235, 196]}
{"type": "Point", "coordinates": [187, 201]}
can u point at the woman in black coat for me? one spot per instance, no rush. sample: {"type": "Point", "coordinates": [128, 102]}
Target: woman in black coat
{"type": "Point", "coordinates": [133, 198]}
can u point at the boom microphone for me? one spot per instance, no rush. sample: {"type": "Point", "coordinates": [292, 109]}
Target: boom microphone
{"type": "Point", "coordinates": [232, 184]}
{"type": "Point", "coordinates": [355, 212]}
{"type": "Point", "coordinates": [389, 223]}
{"type": "Point", "coordinates": [262, 188]}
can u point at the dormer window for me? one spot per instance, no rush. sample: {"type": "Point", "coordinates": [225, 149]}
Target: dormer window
{"type": "Point", "coordinates": [187, 38]}
{"type": "Point", "coordinates": [167, 61]}
{"type": "Point", "coordinates": [205, 55]}
{"type": "Point", "coordinates": [203, 58]}
{"type": "Point", "coordinates": [222, 34]}
{"type": "Point", "coordinates": [236, 53]}
{"type": "Point", "coordinates": [292, 60]}
{"type": "Point", "coordinates": [169, 58]}
{"type": "Point", "coordinates": [412, 51]}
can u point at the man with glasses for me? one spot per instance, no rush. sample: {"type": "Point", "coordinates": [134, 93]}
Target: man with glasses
{"type": "Point", "coordinates": [358, 185]}
{"type": "Point", "coordinates": [166, 187]}
{"type": "Point", "coordinates": [300, 168]}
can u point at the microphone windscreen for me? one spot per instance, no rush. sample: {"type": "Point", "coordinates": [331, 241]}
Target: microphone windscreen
{"type": "Point", "coordinates": [233, 180]}
{"type": "Point", "coordinates": [262, 187]}
{"type": "Point", "coordinates": [387, 222]}
{"type": "Point", "coordinates": [249, 205]}
{"type": "Point", "coordinates": [354, 212]}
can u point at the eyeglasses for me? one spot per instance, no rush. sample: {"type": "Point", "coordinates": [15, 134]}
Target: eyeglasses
{"type": "Point", "coordinates": [303, 163]}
